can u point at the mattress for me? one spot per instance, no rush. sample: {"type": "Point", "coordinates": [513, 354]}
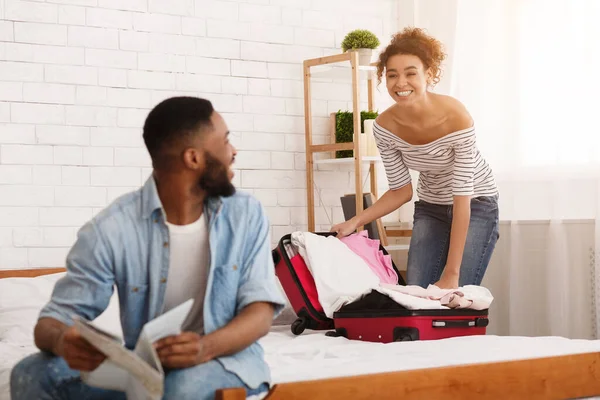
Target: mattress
{"type": "Point", "coordinates": [309, 356]}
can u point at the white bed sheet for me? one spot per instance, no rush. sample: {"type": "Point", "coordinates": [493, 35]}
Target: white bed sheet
{"type": "Point", "coordinates": [316, 356]}
{"type": "Point", "coordinates": [311, 355]}
{"type": "Point", "coordinates": [20, 302]}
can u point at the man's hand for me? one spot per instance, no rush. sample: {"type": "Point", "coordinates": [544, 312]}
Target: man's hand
{"type": "Point", "coordinates": [78, 352]}
{"type": "Point", "coordinates": [181, 351]}
{"type": "Point", "coordinates": [448, 280]}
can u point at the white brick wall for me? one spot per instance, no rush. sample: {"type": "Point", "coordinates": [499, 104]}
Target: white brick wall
{"type": "Point", "coordinates": [78, 78]}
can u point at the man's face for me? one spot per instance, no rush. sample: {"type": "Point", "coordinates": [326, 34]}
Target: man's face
{"type": "Point", "coordinates": [219, 154]}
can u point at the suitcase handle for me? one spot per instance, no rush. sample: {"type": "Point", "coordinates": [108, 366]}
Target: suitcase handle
{"type": "Point", "coordinates": [460, 323]}
{"type": "Point", "coordinates": [276, 256]}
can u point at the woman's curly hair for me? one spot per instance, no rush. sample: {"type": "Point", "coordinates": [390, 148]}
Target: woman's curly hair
{"type": "Point", "coordinates": [416, 42]}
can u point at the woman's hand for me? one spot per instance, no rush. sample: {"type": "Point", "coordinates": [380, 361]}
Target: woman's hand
{"type": "Point", "coordinates": [390, 201]}
{"type": "Point", "coordinates": [448, 280]}
{"type": "Point", "coordinates": [345, 228]}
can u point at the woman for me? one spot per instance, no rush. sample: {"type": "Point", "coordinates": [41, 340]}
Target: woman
{"type": "Point", "coordinates": [456, 218]}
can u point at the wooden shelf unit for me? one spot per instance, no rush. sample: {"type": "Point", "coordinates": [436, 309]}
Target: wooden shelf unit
{"type": "Point", "coordinates": [356, 71]}
{"type": "Point", "coordinates": [340, 65]}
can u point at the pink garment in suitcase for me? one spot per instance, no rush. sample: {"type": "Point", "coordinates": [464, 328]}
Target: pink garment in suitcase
{"type": "Point", "coordinates": [370, 251]}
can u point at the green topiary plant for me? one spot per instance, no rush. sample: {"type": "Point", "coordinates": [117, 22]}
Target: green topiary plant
{"type": "Point", "coordinates": [360, 39]}
{"type": "Point", "coordinates": [344, 129]}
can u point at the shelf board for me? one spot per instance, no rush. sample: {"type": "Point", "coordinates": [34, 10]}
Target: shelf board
{"type": "Point", "coordinates": [342, 71]}
{"type": "Point", "coordinates": [348, 160]}
{"type": "Point", "coordinates": [398, 224]}
{"type": "Point", "coordinates": [396, 247]}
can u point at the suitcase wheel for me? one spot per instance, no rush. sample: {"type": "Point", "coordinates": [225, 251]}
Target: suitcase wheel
{"type": "Point", "coordinates": [299, 325]}
{"type": "Point", "coordinates": [405, 334]}
{"type": "Point", "coordinates": [404, 338]}
{"type": "Point", "coordinates": [339, 332]}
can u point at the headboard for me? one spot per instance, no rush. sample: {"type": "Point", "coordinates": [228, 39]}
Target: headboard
{"type": "Point", "coordinates": [29, 273]}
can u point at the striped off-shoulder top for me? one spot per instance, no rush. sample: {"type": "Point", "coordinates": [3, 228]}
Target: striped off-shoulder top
{"type": "Point", "coordinates": [451, 165]}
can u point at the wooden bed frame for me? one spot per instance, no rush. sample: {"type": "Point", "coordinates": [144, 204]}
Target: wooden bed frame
{"type": "Point", "coordinates": [29, 273]}
{"type": "Point", "coordinates": [562, 377]}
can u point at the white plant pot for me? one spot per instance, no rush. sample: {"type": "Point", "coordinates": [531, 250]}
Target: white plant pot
{"type": "Point", "coordinates": [364, 56]}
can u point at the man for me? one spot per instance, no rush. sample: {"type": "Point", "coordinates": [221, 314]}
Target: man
{"type": "Point", "coordinates": [185, 234]}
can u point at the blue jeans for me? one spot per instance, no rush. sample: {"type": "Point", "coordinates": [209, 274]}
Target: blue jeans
{"type": "Point", "coordinates": [431, 240]}
{"type": "Point", "coordinates": [43, 376]}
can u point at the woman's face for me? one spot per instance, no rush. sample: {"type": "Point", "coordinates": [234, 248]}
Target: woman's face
{"type": "Point", "coordinates": [406, 78]}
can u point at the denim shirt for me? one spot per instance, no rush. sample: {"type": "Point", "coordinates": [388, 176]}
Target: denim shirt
{"type": "Point", "coordinates": [127, 246]}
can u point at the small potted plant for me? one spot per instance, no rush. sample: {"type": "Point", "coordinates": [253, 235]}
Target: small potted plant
{"type": "Point", "coordinates": [364, 42]}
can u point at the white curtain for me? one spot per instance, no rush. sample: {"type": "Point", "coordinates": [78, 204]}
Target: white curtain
{"type": "Point", "coordinates": [527, 70]}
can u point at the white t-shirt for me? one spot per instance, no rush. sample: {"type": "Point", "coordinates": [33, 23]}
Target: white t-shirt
{"type": "Point", "coordinates": [188, 270]}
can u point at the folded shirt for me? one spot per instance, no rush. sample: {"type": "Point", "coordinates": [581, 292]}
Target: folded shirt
{"type": "Point", "coordinates": [415, 297]}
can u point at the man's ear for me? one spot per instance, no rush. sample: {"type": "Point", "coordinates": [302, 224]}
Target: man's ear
{"type": "Point", "coordinates": [193, 159]}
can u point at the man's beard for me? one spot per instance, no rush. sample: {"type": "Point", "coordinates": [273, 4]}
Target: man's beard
{"type": "Point", "coordinates": [215, 179]}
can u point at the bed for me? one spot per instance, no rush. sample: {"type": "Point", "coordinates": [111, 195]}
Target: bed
{"type": "Point", "coordinates": [315, 366]}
